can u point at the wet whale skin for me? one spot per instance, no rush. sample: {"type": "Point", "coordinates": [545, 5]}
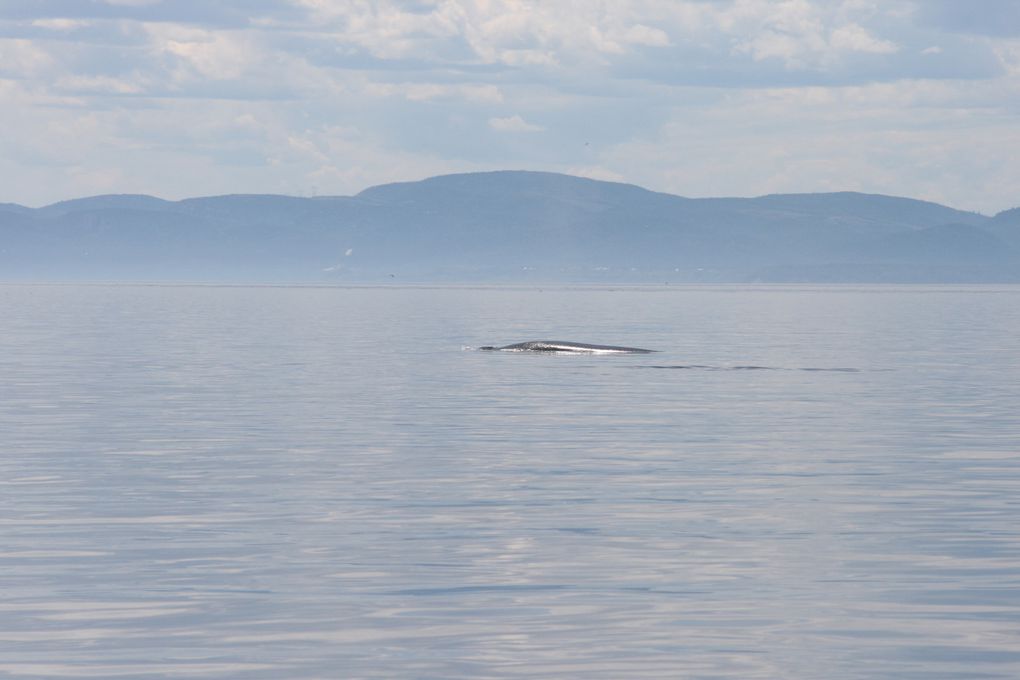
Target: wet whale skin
{"type": "Point", "coordinates": [567, 348]}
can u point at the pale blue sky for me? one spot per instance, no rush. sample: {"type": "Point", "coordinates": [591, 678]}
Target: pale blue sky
{"type": "Point", "coordinates": [182, 98]}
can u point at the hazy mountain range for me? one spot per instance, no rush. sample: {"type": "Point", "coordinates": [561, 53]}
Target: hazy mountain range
{"type": "Point", "coordinates": [508, 227]}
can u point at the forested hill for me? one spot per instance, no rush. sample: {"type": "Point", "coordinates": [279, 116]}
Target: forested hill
{"type": "Point", "coordinates": [508, 226]}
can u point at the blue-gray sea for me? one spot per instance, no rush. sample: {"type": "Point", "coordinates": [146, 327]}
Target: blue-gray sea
{"type": "Point", "coordinates": [324, 482]}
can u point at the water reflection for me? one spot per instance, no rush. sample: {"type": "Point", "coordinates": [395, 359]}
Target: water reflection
{"type": "Point", "coordinates": [275, 482]}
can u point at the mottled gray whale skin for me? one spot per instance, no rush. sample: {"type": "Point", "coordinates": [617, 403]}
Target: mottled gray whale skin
{"type": "Point", "coordinates": [562, 347]}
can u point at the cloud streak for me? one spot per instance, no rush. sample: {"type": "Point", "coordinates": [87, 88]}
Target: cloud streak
{"type": "Point", "coordinates": [736, 97]}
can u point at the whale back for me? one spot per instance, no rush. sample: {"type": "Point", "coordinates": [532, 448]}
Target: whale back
{"type": "Point", "coordinates": [563, 347]}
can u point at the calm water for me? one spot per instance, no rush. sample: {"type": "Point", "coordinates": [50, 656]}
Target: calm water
{"type": "Point", "coordinates": [807, 482]}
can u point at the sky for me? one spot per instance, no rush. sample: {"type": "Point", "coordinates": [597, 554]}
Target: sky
{"type": "Point", "coordinates": [181, 98]}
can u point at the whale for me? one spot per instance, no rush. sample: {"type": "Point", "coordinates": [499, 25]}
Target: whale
{"type": "Point", "coordinates": [563, 347]}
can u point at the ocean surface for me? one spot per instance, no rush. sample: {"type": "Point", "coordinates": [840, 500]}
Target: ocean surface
{"type": "Point", "coordinates": [300, 482]}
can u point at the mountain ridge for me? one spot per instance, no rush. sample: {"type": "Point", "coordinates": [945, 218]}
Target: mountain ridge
{"type": "Point", "coordinates": [507, 226]}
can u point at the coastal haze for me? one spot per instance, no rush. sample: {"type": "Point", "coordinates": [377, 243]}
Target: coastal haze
{"type": "Point", "coordinates": [508, 227]}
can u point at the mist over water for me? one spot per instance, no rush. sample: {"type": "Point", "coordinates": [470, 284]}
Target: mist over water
{"type": "Point", "coordinates": [287, 482]}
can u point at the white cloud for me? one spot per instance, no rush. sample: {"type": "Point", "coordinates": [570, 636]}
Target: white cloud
{"type": "Point", "coordinates": [1009, 56]}
{"type": "Point", "coordinates": [60, 24]}
{"type": "Point", "coordinates": [23, 59]}
{"type": "Point", "coordinates": [803, 34]}
{"type": "Point", "coordinates": [217, 55]}
{"type": "Point", "coordinates": [97, 85]}
{"type": "Point", "coordinates": [639, 34]}
{"type": "Point", "coordinates": [855, 38]}
{"type": "Point", "coordinates": [513, 124]}
{"type": "Point", "coordinates": [721, 97]}
{"type": "Point", "coordinates": [927, 142]}
{"type": "Point", "coordinates": [421, 92]}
